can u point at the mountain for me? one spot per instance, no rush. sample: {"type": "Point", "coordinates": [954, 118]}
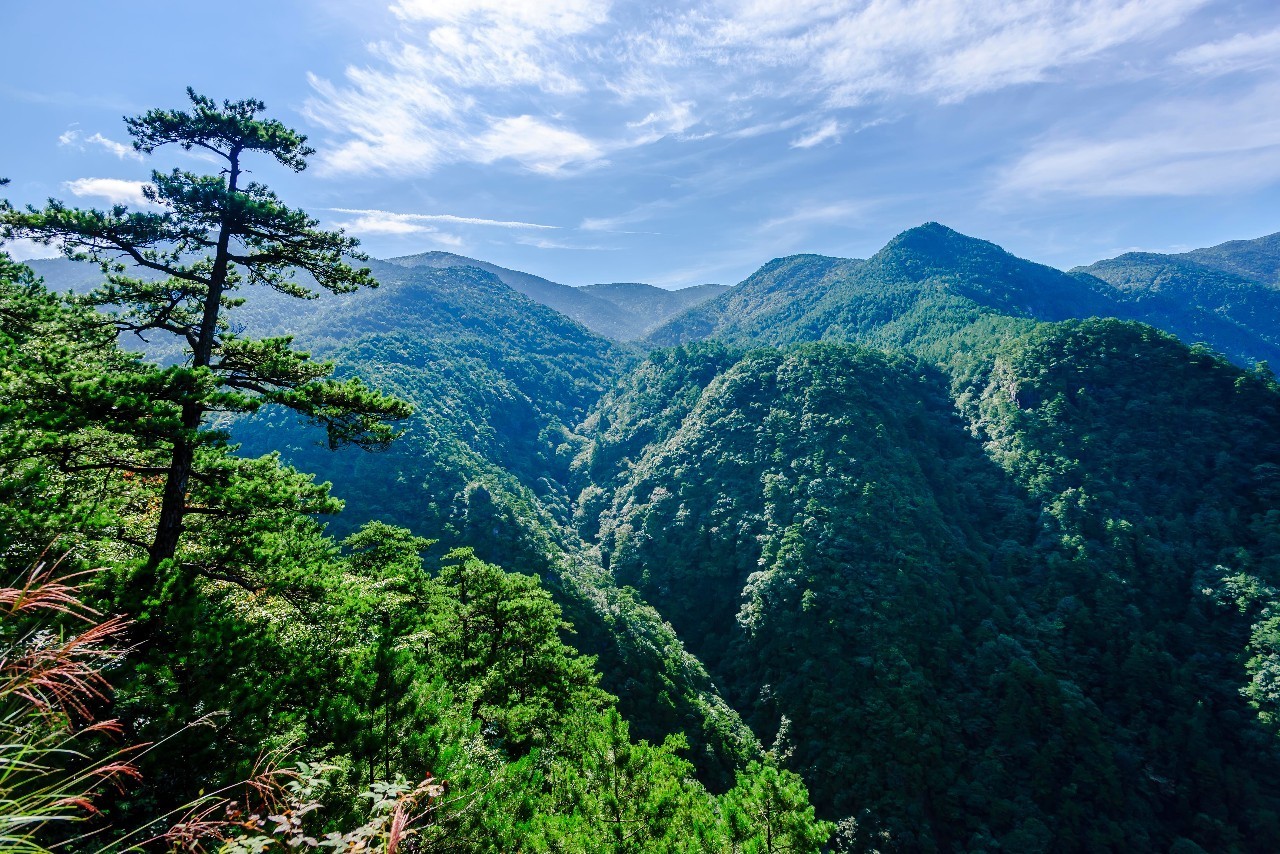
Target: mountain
{"type": "Point", "coordinates": [988, 575]}
{"type": "Point", "coordinates": [995, 621]}
{"type": "Point", "coordinates": [622, 312]}
{"type": "Point", "coordinates": [498, 381]}
{"type": "Point", "coordinates": [1257, 260]}
{"type": "Point", "coordinates": [648, 305]}
{"type": "Point", "coordinates": [924, 279]}
{"type": "Point", "coordinates": [931, 282]}
{"type": "Point", "coordinates": [1227, 296]}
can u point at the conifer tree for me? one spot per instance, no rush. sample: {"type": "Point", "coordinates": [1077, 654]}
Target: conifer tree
{"type": "Point", "coordinates": [208, 237]}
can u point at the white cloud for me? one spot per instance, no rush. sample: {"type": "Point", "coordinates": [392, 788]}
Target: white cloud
{"type": "Point", "coordinates": [391, 224]}
{"type": "Point", "coordinates": [385, 222]}
{"type": "Point", "coordinates": [557, 85]}
{"type": "Point", "coordinates": [419, 106]}
{"type": "Point", "coordinates": [672, 118]}
{"type": "Point", "coordinates": [1242, 52]}
{"type": "Point", "coordinates": [765, 127]}
{"type": "Point", "coordinates": [946, 49]}
{"type": "Point", "coordinates": [827, 131]}
{"type": "Point", "coordinates": [73, 137]}
{"type": "Point", "coordinates": [543, 243]}
{"type": "Point", "coordinates": [1183, 148]}
{"type": "Point", "coordinates": [412, 218]}
{"type": "Point", "coordinates": [535, 145]}
{"type": "Point", "coordinates": [818, 214]}
{"type": "Point", "coordinates": [114, 190]}
{"type": "Point", "coordinates": [23, 249]}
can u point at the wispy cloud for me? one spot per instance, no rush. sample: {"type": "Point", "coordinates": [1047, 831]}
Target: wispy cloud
{"type": "Point", "coordinates": [75, 138]}
{"type": "Point", "coordinates": [536, 145]}
{"type": "Point", "coordinates": [618, 223]}
{"type": "Point", "coordinates": [418, 107]}
{"type": "Point", "coordinates": [765, 128]}
{"type": "Point", "coordinates": [945, 49]}
{"type": "Point", "coordinates": [1242, 52]}
{"type": "Point", "coordinates": [1183, 148]}
{"type": "Point", "coordinates": [816, 213]}
{"type": "Point", "coordinates": [828, 131]}
{"type": "Point", "coordinates": [543, 243]}
{"type": "Point", "coordinates": [416, 218]}
{"type": "Point", "coordinates": [116, 191]}
{"type": "Point", "coordinates": [443, 93]}
{"type": "Point", "coordinates": [560, 87]}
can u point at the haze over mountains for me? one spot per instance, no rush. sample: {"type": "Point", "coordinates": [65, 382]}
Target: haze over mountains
{"type": "Point", "coordinates": [623, 311]}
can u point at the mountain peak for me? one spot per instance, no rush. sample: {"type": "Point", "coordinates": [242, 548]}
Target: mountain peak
{"type": "Point", "coordinates": [936, 239]}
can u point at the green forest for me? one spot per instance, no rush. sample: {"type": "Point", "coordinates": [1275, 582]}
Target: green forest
{"type": "Point", "coordinates": [940, 550]}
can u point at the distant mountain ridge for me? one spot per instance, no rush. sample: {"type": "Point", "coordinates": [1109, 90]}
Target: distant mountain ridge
{"type": "Point", "coordinates": [931, 281]}
{"type": "Point", "coordinates": [1227, 296]}
{"type": "Point", "coordinates": [929, 276]}
{"type": "Point", "coordinates": [623, 312]}
{"type": "Point", "coordinates": [1257, 259]}
{"type": "Point", "coordinates": [650, 303]}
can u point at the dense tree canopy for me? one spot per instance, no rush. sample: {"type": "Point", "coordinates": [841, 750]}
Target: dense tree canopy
{"type": "Point", "coordinates": [209, 236]}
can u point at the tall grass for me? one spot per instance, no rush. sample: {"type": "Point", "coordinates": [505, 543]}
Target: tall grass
{"type": "Point", "coordinates": [53, 651]}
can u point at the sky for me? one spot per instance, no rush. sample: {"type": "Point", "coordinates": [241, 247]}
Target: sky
{"type": "Point", "coordinates": [676, 144]}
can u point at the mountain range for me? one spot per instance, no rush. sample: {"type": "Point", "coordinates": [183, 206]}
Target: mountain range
{"type": "Point", "coordinates": [988, 552]}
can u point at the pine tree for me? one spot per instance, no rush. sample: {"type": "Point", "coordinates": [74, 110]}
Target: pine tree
{"type": "Point", "coordinates": [212, 235]}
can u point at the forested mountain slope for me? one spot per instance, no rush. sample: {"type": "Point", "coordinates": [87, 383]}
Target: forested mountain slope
{"type": "Point", "coordinates": [927, 280]}
{"type": "Point", "coordinates": [931, 282]}
{"type": "Point", "coordinates": [497, 381]}
{"type": "Point", "coordinates": [988, 576]}
{"type": "Point", "coordinates": [1227, 296]}
{"type": "Point", "coordinates": [622, 312]}
{"type": "Point", "coordinates": [1002, 626]}
{"type": "Point", "coordinates": [345, 689]}
{"type": "Point", "coordinates": [1257, 260]}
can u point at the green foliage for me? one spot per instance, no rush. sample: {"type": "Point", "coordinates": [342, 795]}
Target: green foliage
{"type": "Point", "coordinates": [1003, 585]}
{"type": "Point", "coordinates": [998, 640]}
{"type": "Point", "coordinates": [209, 236]}
{"type": "Point", "coordinates": [1232, 312]}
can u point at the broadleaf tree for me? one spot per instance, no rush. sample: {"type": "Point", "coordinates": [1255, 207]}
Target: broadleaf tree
{"type": "Point", "coordinates": [180, 266]}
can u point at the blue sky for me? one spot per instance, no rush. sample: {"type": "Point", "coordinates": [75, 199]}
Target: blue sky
{"type": "Point", "coordinates": [594, 141]}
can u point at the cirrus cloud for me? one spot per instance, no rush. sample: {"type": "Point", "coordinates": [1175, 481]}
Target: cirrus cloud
{"type": "Point", "coordinates": [558, 86]}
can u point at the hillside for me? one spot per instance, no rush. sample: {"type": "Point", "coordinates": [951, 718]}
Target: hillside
{"type": "Point", "coordinates": [931, 282]}
{"type": "Point", "coordinates": [1257, 260]}
{"type": "Point", "coordinates": [650, 306]}
{"type": "Point", "coordinates": [985, 575]}
{"type": "Point", "coordinates": [497, 381]}
{"type": "Point", "coordinates": [622, 312]}
{"type": "Point", "coordinates": [1000, 625]}
{"type": "Point", "coordinates": [926, 283]}
{"type": "Point", "coordinates": [1226, 296]}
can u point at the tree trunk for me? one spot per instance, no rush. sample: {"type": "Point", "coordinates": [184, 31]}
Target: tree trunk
{"type": "Point", "coordinates": [173, 506]}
